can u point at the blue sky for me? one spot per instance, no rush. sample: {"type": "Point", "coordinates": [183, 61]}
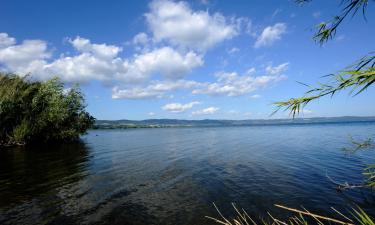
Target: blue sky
{"type": "Point", "coordinates": [185, 59]}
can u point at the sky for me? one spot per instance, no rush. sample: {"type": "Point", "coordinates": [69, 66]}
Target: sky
{"type": "Point", "coordinates": [198, 59]}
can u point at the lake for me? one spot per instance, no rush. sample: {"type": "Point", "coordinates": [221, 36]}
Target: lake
{"type": "Point", "coordinates": [173, 175]}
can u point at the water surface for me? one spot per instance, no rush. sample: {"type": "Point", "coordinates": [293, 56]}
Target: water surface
{"type": "Point", "coordinates": [173, 175]}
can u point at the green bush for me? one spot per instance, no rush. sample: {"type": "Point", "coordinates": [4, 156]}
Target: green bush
{"type": "Point", "coordinates": [34, 112]}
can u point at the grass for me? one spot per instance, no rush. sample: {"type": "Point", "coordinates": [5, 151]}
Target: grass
{"type": "Point", "coordinates": [359, 216]}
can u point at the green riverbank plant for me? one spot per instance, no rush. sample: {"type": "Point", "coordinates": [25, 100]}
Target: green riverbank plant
{"type": "Point", "coordinates": [357, 78]}
{"type": "Point", "coordinates": [300, 217]}
{"type": "Point", "coordinates": [40, 112]}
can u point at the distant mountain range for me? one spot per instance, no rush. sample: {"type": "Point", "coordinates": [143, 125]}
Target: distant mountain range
{"type": "Point", "coordinates": [159, 123]}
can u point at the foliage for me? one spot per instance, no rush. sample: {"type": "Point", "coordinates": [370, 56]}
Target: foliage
{"type": "Point", "coordinates": [370, 174]}
{"type": "Point", "coordinates": [358, 77]}
{"type": "Point", "coordinates": [327, 30]}
{"type": "Point", "coordinates": [33, 111]}
{"type": "Point", "coordinates": [359, 145]}
{"type": "Point", "coordinates": [242, 218]}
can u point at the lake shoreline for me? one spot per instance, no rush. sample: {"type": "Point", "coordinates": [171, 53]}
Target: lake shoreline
{"type": "Point", "coordinates": [171, 123]}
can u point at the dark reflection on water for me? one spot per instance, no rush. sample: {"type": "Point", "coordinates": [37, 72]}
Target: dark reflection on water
{"type": "Point", "coordinates": [172, 176]}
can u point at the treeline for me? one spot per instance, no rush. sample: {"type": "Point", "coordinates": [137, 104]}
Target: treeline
{"type": "Point", "coordinates": [40, 112]}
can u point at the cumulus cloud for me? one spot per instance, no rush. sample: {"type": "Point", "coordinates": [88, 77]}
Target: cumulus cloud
{"type": "Point", "coordinates": [178, 24]}
{"type": "Point", "coordinates": [101, 66]}
{"type": "Point", "coordinates": [156, 89]}
{"type": "Point", "coordinates": [206, 111]}
{"type": "Point", "coordinates": [105, 51]}
{"type": "Point", "coordinates": [227, 84]}
{"type": "Point", "coordinates": [94, 61]}
{"type": "Point", "coordinates": [141, 39]}
{"type": "Point", "coordinates": [28, 55]}
{"type": "Point", "coordinates": [86, 67]}
{"type": "Point", "coordinates": [6, 41]}
{"type": "Point", "coordinates": [233, 84]}
{"type": "Point", "coordinates": [270, 34]}
{"type": "Point", "coordinates": [178, 107]}
{"type": "Point", "coordinates": [166, 61]}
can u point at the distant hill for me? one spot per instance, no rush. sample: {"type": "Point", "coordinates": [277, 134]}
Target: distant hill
{"type": "Point", "coordinates": [159, 123]}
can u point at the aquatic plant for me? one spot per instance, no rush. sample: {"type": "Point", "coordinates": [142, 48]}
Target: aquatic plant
{"type": "Point", "coordinates": [300, 217]}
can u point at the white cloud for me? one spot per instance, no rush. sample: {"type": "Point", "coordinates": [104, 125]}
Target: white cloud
{"type": "Point", "coordinates": [6, 41]}
{"type": "Point", "coordinates": [98, 50]}
{"type": "Point", "coordinates": [307, 111]}
{"type": "Point", "coordinates": [84, 68]}
{"type": "Point", "coordinates": [275, 13]}
{"type": "Point", "coordinates": [206, 111]}
{"type": "Point", "coordinates": [178, 107]}
{"type": "Point", "coordinates": [105, 65]}
{"type": "Point", "coordinates": [135, 93]}
{"type": "Point", "coordinates": [232, 84]}
{"type": "Point", "coordinates": [205, 2]}
{"type": "Point", "coordinates": [340, 37]}
{"type": "Point", "coordinates": [228, 84]}
{"type": "Point", "coordinates": [233, 50]}
{"type": "Point", "coordinates": [251, 71]}
{"type": "Point", "coordinates": [21, 58]}
{"type": "Point", "coordinates": [166, 61]}
{"type": "Point", "coordinates": [177, 23]}
{"type": "Point", "coordinates": [270, 34]}
{"type": "Point", "coordinates": [141, 39]}
{"type": "Point", "coordinates": [151, 114]}
{"type": "Point", "coordinates": [102, 62]}
{"type": "Point", "coordinates": [156, 89]}
{"type": "Point", "coordinates": [94, 62]}
{"type": "Point", "coordinates": [256, 96]}
{"type": "Point", "coordinates": [277, 69]}
{"type": "Point", "coordinates": [248, 114]}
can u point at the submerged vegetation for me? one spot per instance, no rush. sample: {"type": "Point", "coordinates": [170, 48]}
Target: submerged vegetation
{"type": "Point", "coordinates": [40, 112]}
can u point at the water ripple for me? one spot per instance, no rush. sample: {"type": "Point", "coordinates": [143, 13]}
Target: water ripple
{"type": "Point", "coordinates": [172, 176]}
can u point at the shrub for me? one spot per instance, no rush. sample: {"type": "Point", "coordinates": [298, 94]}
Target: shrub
{"type": "Point", "coordinates": [35, 112]}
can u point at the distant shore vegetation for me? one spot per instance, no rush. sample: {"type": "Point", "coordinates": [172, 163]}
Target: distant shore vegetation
{"type": "Point", "coordinates": [40, 112]}
{"type": "Point", "coordinates": [177, 123]}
